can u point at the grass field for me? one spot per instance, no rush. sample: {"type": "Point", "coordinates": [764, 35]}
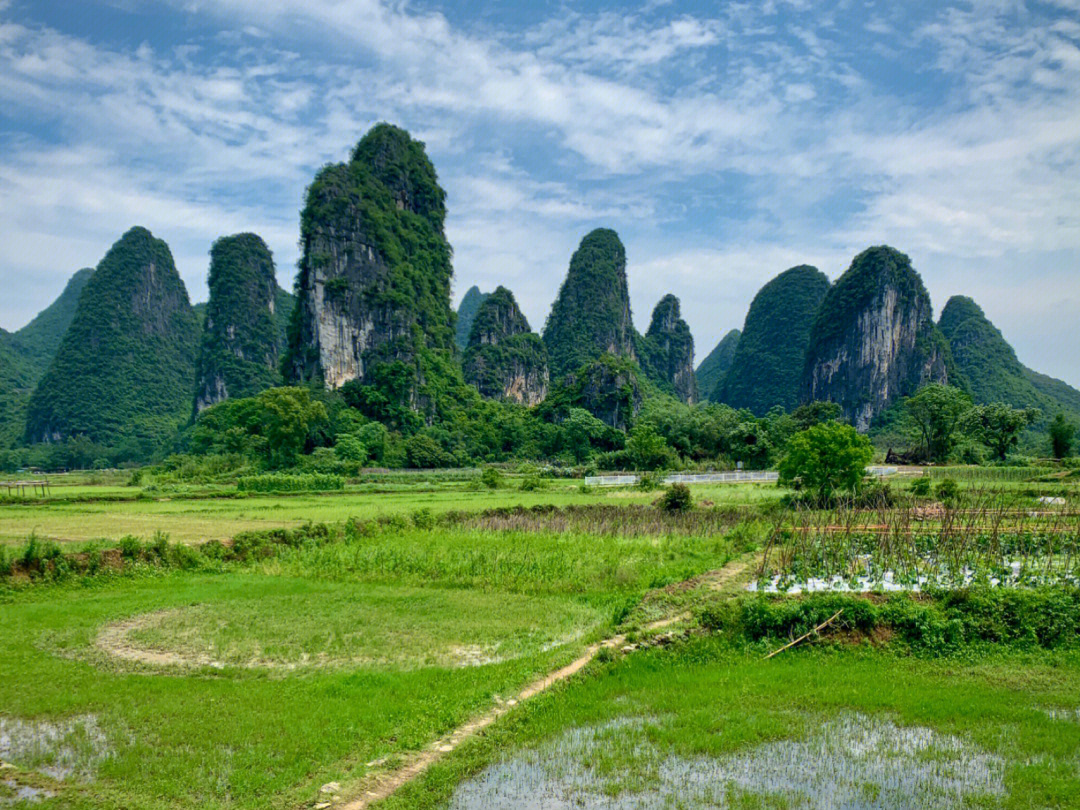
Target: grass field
{"type": "Point", "coordinates": [256, 675]}
{"type": "Point", "coordinates": [194, 519]}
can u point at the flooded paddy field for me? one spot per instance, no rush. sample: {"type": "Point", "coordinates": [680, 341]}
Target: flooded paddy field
{"type": "Point", "coordinates": [711, 727]}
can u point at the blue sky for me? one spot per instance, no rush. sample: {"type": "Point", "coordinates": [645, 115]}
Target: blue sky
{"type": "Point", "coordinates": [725, 142]}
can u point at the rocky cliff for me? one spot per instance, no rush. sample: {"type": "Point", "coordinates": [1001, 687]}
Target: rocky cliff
{"type": "Point", "coordinates": [767, 367]}
{"type": "Point", "coordinates": [591, 315]}
{"type": "Point", "coordinates": [504, 358]}
{"type": "Point", "coordinates": [874, 339]}
{"type": "Point", "coordinates": [716, 364]}
{"type": "Point", "coordinates": [238, 356]}
{"type": "Point", "coordinates": [123, 373]}
{"type": "Point", "coordinates": [466, 314]}
{"type": "Point", "coordinates": [373, 288]}
{"type": "Point", "coordinates": [667, 351]}
{"type": "Point", "coordinates": [611, 388]}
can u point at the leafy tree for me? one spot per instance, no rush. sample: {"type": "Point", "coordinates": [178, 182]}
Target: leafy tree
{"type": "Point", "coordinates": [580, 429]}
{"type": "Point", "coordinates": [998, 425]}
{"type": "Point", "coordinates": [816, 412]}
{"type": "Point", "coordinates": [647, 449]}
{"type": "Point", "coordinates": [288, 416]}
{"type": "Point", "coordinates": [1061, 432]}
{"type": "Point", "coordinates": [936, 412]}
{"type": "Point", "coordinates": [350, 448]}
{"type": "Point", "coordinates": [826, 459]}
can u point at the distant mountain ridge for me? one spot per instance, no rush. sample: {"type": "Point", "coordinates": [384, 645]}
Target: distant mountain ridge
{"type": "Point", "coordinates": [39, 339]}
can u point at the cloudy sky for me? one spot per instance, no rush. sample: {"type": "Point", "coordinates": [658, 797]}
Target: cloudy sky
{"type": "Point", "coordinates": [724, 141]}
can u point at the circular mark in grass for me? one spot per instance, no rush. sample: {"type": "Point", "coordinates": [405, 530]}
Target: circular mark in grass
{"type": "Point", "coordinates": [321, 625]}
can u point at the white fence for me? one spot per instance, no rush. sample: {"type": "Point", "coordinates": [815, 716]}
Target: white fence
{"type": "Point", "coordinates": [737, 477]}
{"type": "Point", "coordinates": [740, 476]}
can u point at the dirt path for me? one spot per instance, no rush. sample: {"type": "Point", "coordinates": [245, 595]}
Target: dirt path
{"type": "Point", "coordinates": [382, 785]}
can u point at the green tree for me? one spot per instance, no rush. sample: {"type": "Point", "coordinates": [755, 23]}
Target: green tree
{"type": "Point", "coordinates": [826, 459]}
{"type": "Point", "coordinates": [580, 428]}
{"type": "Point", "coordinates": [647, 449]}
{"type": "Point", "coordinates": [816, 412]}
{"type": "Point", "coordinates": [1061, 432]}
{"type": "Point", "coordinates": [288, 415]}
{"type": "Point", "coordinates": [936, 413]}
{"type": "Point", "coordinates": [998, 425]}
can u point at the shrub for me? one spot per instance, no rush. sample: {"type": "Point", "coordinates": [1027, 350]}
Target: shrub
{"type": "Point", "coordinates": [649, 482]}
{"type": "Point", "coordinates": [490, 478]}
{"type": "Point", "coordinates": [130, 547]}
{"type": "Point", "coordinates": [826, 459]}
{"type": "Point", "coordinates": [533, 482]}
{"type": "Point", "coordinates": [948, 490]}
{"type": "Point", "coordinates": [921, 486]}
{"type": "Point", "coordinates": [677, 498]}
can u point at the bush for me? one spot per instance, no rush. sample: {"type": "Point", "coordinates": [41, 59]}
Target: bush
{"type": "Point", "coordinates": [649, 482]}
{"type": "Point", "coordinates": [1042, 617]}
{"type": "Point", "coordinates": [533, 482]}
{"type": "Point", "coordinates": [677, 498]}
{"type": "Point", "coordinates": [921, 486]}
{"type": "Point", "coordinates": [130, 547]}
{"type": "Point", "coordinates": [948, 490]}
{"type": "Point", "coordinates": [490, 478]}
{"type": "Point", "coordinates": [285, 482]}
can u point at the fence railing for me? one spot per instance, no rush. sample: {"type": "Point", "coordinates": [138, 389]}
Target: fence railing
{"type": "Point", "coordinates": [739, 476]}
{"type": "Point", "coordinates": [735, 477]}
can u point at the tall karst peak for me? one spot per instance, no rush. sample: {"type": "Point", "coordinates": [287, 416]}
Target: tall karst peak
{"type": "Point", "coordinates": [716, 364]}
{"type": "Point", "coordinates": [667, 351]}
{"type": "Point", "coordinates": [874, 340]}
{"type": "Point", "coordinates": [504, 358]}
{"type": "Point", "coordinates": [123, 372]}
{"type": "Point", "coordinates": [373, 287]}
{"type": "Point", "coordinates": [591, 315]}
{"type": "Point", "coordinates": [238, 356]}
{"type": "Point", "coordinates": [466, 313]}
{"type": "Point", "coordinates": [767, 367]}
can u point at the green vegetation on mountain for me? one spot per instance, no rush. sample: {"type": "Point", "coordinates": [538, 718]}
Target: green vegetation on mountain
{"type": "Point", "coordinates": [470, 304]}
{"type": "Point", "coordinates": [768, 364]}
{"type": "Point", "coordinates": [990, 366]}
{"type": "Point", "coordinates": [16, 384]}
{"type": "Point", "coordinates": [238, 355]}
{"type": "Point", "coordinates": [374, 281]}
{"type": "Point", "coordinates": [504, 358]}
{"type": "Point", "coordinates": [666, 351]}
{"type": "Point", "coordinates": [716, 364]}
{"type": "Point", "coordinates": [39, 339]}
{"type": "Point", "coordinates": [123, 374]}
{"type": "Point", "coordinates": [591, 315]}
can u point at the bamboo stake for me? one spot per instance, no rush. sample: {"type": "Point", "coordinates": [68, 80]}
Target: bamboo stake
{"type": "Point", "coordinates": [803, 638]}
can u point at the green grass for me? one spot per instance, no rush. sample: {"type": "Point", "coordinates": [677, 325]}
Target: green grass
{"type": "Point", "coordinates": [285, 623]}
{"type": "Point", "coordinates": [193, 520]}
{"type": "Point", "coordinates": [707, 704]}
{"type": "Point", "coordinates": [387, 607]}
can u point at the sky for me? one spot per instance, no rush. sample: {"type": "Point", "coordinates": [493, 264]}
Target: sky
{"type": "Point", "coordinates": [725, 142]}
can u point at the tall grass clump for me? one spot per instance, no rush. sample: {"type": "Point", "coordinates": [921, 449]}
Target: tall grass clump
{"type": "Point", "coordinates": [287, 482]}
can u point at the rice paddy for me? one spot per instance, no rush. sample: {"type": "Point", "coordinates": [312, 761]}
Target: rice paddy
{"type": "Point", "coordinates": [298, 670]}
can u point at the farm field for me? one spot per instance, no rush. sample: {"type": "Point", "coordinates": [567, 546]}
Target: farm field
{"type": "Point", "coordinates": [189, 518]}
{"type": "Point", "coordinates": [555, 648]}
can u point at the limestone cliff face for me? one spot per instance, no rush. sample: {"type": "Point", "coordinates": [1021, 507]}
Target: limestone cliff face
{"type": "Point", "coordinates": [874, 339]}
{"type": "Point", "coordinates": [374, 280]}
{"type": "Point", "coordinates": [610, 388]}
{"type": "Point", "coordinates": [667, 351]}
{"type": "Point", "coordinates": [504, 358]}
{"type": "Point", "coordinates": [238, 356]}
{"type": "Point", "coordinates": [591, 316]}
